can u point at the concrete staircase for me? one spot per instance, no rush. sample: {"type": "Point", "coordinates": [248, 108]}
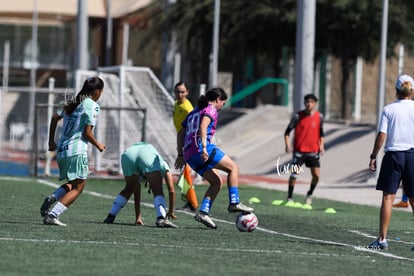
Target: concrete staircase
{"type": "Point", "coordinates": [255, 141]}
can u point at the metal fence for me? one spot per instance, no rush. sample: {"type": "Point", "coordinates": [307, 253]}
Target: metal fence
{"type": "Point", "coordinates": [135, 107]}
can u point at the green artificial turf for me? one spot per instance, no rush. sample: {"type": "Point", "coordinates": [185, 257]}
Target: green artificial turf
{"type": "Point", "coordinates": [289, 241]}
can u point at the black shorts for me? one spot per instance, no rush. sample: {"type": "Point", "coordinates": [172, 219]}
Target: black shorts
{"type": "Point", "coordinates": [310, 159]}
{"type": "Point", "coordinates": [396, 167]}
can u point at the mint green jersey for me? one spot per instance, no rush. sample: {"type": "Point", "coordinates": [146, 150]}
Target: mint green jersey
{"type": "Point", "coordinates": [72, 141]}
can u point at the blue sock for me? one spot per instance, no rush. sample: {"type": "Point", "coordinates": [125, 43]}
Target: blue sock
{"type": "Point", "coordinates": [159, 205]}
{"type": "Point", "coordinates": [206, 205]}
{"type": "Point", "coordinates": [59, 193]}
{"type": "Point", "coordinates": [234, 195]}
{"type": "Point", "coordinates": [404, 197]}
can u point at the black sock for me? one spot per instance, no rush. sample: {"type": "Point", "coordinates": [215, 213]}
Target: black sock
{"type": "Point", "coordinates": [290, 191]}
{"type": "Point", "coordinates": [310, 192]}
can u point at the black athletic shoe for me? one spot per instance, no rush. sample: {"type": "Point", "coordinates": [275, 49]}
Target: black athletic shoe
{"type": "Point", "coordinates": [109, 219]}
{"type": "Point", "coordinates": [47, 204]}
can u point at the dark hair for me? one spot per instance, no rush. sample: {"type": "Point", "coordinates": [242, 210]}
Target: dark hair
{"type": "Point", "coordinates": [179, 84]}
{"type": "Point", "coordinates": [311, 97]}
{"type": "Point", "coordinates": [211, 95]}
{"type": "Point", "coordinates": [89, 87]}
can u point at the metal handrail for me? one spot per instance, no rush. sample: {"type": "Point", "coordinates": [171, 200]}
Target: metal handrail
{"type": "Point", "coordinates": [254, 87]}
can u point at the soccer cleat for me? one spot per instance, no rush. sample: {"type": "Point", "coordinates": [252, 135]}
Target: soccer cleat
{"type": "Point", "coordinates": [165, 223]}
{"type": "Point", "coordinates": [109, 219]}
{"type": "Point", "coordinates": [187, 207]}
{"type": "Point", "coordinates": [308, 200]}
{"type": "Point", "coordinates": [307, 206]}
{"type": "Point", "coordinates": [289, 202]}
{"type": "Point", "coordinates": [205, 219]}
{"type": "Point", "coordinates": [377, 244]}
{"type": "Point", "coordinates": [47, 204]}
{"type": "Point", "coordinates": [239, 207]}
{"type": "Point", "coordinates": [401, 204]}
{"type": "Point", "coordinates": [50, 220]}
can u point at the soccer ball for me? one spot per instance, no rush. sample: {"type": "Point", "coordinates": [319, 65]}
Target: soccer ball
{"type": "Point", "coordinates": [246, 222]}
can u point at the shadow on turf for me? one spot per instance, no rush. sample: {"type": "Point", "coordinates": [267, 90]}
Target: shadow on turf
{"type": "Point", "coordinates": [146, 225]}
{"type": "Point", "coordinates": [154, 226]}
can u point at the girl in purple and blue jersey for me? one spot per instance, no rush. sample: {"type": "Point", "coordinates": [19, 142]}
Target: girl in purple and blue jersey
{"type": "Point", "coordinates": [192, 142]}
{"type": "Point", "coordinates": [195, 146]}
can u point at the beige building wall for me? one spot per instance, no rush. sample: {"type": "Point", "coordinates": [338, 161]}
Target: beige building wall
{"type": "Point", "coordinates": [369, 94]}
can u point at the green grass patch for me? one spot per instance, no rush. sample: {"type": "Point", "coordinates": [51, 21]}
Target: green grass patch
{"type": "Point", "coordinates": [289, 241]}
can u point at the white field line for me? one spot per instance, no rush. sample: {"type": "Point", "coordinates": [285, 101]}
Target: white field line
{"type": "Point", "coordinates": [354, 247]}
{"type": "Point", "coordinates": [219, 249]}
{"type": "Point", "coordinates": [360, 233]}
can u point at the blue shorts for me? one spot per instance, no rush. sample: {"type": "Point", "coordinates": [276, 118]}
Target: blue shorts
{"type": "Point", "coordinates": [214, 157]}
{"type": "Point", "coordinates": [397, 167]}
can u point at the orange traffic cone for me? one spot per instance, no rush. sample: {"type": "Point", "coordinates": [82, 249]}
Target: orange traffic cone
{"type": "Point", "coordinates": [187, 189]}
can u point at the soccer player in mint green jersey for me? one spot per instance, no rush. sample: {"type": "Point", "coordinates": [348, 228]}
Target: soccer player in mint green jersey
{"type": "Point", "coordinates": [79, 118]}
{"type": "Point", "coordinates": [143, 161]}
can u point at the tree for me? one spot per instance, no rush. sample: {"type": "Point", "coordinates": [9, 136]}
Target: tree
{"type": "Point", "coordinates": [352, 28]}
{"type": "Point", "coordinates": [260, 29]}
{"type": "Point", "coordinates": [248, 29]}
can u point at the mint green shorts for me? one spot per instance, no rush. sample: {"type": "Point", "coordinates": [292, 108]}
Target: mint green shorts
{"type": "Point", "coordinates": [142, 158]}
{"type": "Point", "coordinates": [73, 167]}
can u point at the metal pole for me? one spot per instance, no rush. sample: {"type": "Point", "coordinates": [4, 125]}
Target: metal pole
{"type": "Point", "coordinates": [82, 35]}
{"type": "Point", "coordinates": [6, 59]}
{"type": "Point", "coordinates": [383, 57]}
{"type": "Point", "coordinates": [305, 48]}
{"type": "Point", "coordinates": [358, 89]}
{"type": "Point", "coordinates": [215, 48]}
{"type": "Point", "coordinates": [32, 99]}
{"type": "Point", "coordinates": [177, 67]}
{"type": "Point", "coordinates": [401, 59]}
{"type": "Point", "coordinates": [33, 64]}
{"type": "Point", "coordinates": [50, 101]}
{"type": "Point", "coordinates": [125, 42]}
{"type": "Point", "coordinates": [108, 48]}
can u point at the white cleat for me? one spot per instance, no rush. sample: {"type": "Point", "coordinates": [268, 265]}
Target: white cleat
{"type": "Point", "coordinates": [239, 207]}
{"type": "Point", "coordinates": [205, 219]}
{"type": "Point", "coordinates": [49, 220]}
{"type": "Point", "coordinates": [165, 223]}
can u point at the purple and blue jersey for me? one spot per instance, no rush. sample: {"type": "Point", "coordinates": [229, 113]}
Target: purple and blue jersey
{"type": "Point", "coordinates": [192, 142]}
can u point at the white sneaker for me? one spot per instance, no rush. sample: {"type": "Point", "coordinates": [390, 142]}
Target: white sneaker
{"type": "Point", "coordinates": [52, 221]}
{"type": "Point", "coordinates": [165, 223]}
{"type": "Point", "coordinates": [205, 219]}
{"type": "Point", "coordinates": [308, 200]}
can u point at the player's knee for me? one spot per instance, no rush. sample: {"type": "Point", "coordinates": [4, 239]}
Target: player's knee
{"type": "Point", "coordinates": [67, 187]}
{"type": "Point", "coordinates": [215, 181]}
{"type": "Point", "coordinates": [294, 175]}
{"type": "Point", "coordinates": [234, 169]}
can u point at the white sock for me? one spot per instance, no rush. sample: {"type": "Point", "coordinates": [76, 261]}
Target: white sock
{"type": "Point", "coordinates": [159, 205]}
{"type": "Point", "coordinates": [58, 209]}
{"type": "Point", "coordinates": [119, 203]}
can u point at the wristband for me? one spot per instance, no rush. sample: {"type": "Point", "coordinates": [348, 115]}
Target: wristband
{"type": "Point", "coordinates": [372, 156]}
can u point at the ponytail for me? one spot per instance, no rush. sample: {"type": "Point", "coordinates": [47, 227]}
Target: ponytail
{"type": "Point", "coordinates": [89, 87]}
{"type": "Point", "coordinates": [211, 95]}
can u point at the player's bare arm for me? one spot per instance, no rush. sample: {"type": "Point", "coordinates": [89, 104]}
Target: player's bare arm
{"type": "Point", "coordinates": [88, 135]}
{"type": "Point", "coordinates": [379, 141]}
{"type": "Point", "coordinates": [203, 135]}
